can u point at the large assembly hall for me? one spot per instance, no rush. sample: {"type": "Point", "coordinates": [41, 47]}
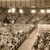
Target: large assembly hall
{"type": "Point", "coordinates": [24, 24]}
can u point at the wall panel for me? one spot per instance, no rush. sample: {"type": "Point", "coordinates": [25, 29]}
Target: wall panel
{"type": "Point", "coordinates": [27, 3]}
{"type": "Point", "coordinates": [48, 3]}
{"type": "Point", "coordinates": [13, 4]}
{"type": "Point", "coordinates": [32, 2]}
{"type": "Point", "coordinates": [37, 3]}
{"type": "Point", "coordinates": [23, 4]}
{"type": "Point", "coordinates": [0, 3]}
{"type": "Point", "coordinates": [43, 3]}
{"type": "Point", "coordinates": [3, 3]}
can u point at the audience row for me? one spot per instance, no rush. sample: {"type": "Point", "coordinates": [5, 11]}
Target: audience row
{"type": "Point", "coordinates": [42, 42]}
{"type": "Point", "coordinates": [11, 34]}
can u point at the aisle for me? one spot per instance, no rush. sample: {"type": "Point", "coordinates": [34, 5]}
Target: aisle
{"type": "Point", "coordinates": [27, 45]}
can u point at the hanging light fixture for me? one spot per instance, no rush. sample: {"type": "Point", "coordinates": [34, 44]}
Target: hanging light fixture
{"type": "Point", "coordinates": [33, 11]}
{"type": "Point", "coordinates": [9, 11]}
{"type": "Point", "coordinates": [21, 11]}
{"type": "Point", "coordinates": [42, 11]}
{"type": "Point", "coordinates": [13, 10]}
{"type": "Point", "coordinates": [32, 6]}
{"type": "Point", "coordinates": [48, 10]}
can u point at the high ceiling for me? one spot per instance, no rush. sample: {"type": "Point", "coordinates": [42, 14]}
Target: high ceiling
{"type": "Point", "coordinates": [25, 3]}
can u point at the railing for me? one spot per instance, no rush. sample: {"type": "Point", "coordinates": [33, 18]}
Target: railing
{"type": "Point", "coordinates": [17, 45]}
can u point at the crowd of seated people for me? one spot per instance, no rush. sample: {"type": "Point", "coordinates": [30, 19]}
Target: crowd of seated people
{"type": "Point", "coordinates": [7, 39]}
{"type": "Point", "coordinates": [33, 20]}
{"type": "Point", "coordinates": [36, 18]}
{"type": "Point", "coordinates": [11, 34]}
{"type": "Point", "coordinates": [5, 17]}
{"type": "Point", "coordinates": [42, 42]}
{"type": "Point", "coordinates": [23, 18]}
{"type": "Point", "coordinates": [18, 18]}
{"type": "Point", "coordinates": [45, 20]}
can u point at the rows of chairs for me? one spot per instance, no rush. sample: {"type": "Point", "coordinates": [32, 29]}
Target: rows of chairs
{"type": "Point", "coordinates": [24, 18]}
{"type": "Point", "coordinates": [42, 42]}
{"type": "Point", "coordinates": [36, 18]}
{"type": "Point", "coordinates": [45, 20]}
{"type": "Point", "coordinates": [11, 34]}
{"type": "Point", "coordinates": [18, 18]}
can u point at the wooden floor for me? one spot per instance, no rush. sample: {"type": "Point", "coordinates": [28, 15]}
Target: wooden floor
{"type": "Point", "coordinates": [27, 45]}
